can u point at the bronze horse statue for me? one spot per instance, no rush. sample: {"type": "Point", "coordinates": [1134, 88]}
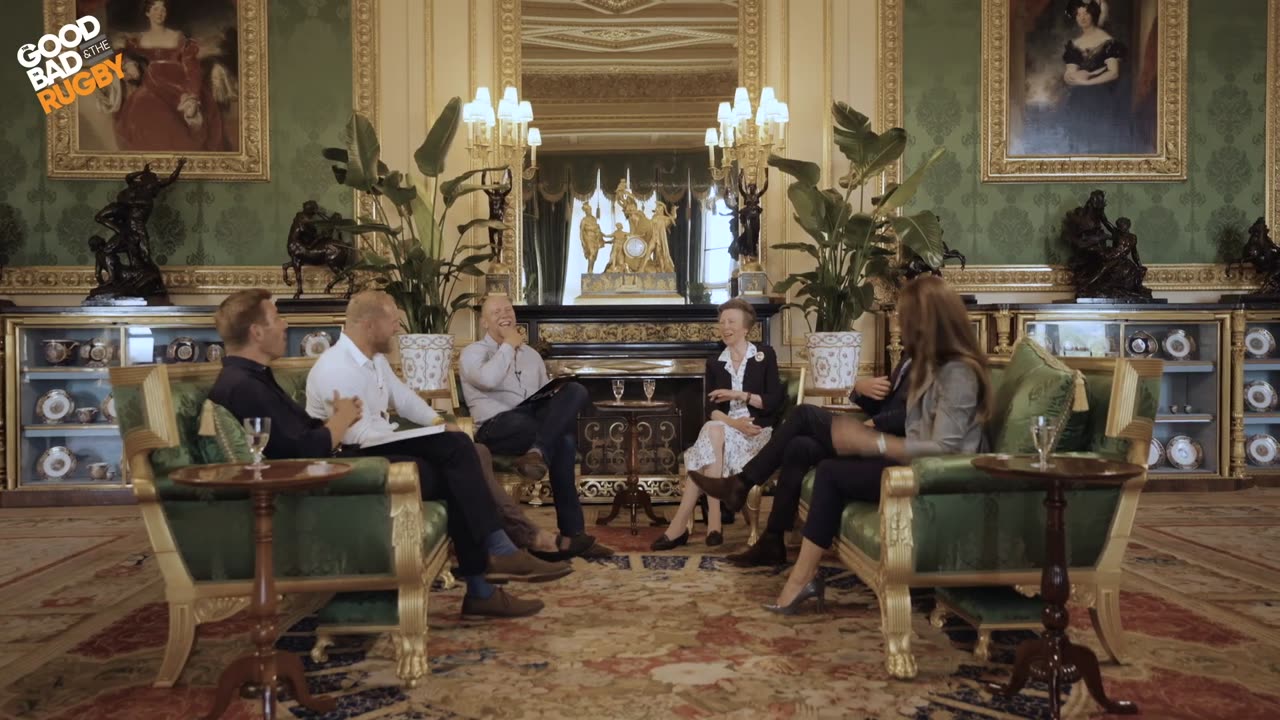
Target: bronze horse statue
{"type": "Point", "coordinates": [308, 245]}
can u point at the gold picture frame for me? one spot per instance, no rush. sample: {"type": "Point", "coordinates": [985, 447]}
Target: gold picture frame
{"type": "Point", "coordinates": [83, 140]}
{"type": "Point", "coordinates": [1032, 121]}
{"type": "Point", "coordinates": [1273, 114]}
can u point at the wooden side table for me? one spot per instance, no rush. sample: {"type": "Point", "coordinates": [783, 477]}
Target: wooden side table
{"type": "Point", "coordinates": [1053, 658]}
{"type": "Point", "coordinates": [633, 496]}
{"type": "Point", "coordinates": [266, 667]}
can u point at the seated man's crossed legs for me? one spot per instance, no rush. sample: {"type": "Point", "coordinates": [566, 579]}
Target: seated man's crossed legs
{"type": "Point", "coordinates": [797, 445]}
{"type": "Point", "coordinates": [545, 437]}
{"type": "Point", "coordinates": [449, 470]}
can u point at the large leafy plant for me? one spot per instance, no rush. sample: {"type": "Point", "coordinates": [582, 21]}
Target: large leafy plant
{"type": "Point", "coordinates": [854, 247]}
{"type": "Point", "coordinates": [410, 262]}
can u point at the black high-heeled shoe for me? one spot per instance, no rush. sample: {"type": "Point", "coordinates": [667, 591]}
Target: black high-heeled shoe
{"type": "Point", "coordinates": [662, 543]}
{"type": "Point", "coordinates": [714, 538]}
{"type": "Point", "coordinates": [815, 588]}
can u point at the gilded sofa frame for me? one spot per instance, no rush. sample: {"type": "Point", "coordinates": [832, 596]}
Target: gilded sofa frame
{"type": "Point", "coordinates": [892, 575]}
{"type": "Point", "coordinates": [193, 603]}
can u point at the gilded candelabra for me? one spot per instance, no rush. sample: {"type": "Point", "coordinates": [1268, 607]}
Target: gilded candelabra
{"type": "Point", "coordinates": [746, 139]}
{"type": "Point", "coordinates": [498, 140]}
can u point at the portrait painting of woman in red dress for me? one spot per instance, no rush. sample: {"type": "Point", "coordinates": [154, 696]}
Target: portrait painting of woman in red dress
{"type": "Point", "coordinates": [179, 93]}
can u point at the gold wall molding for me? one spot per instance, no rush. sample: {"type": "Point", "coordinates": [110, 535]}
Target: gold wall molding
{"type": "Point", "coordinates": [1169, 162]}
{"type": "Point", "coordinates": [634, 332]}
{"type": "Point", "coordinates": [1273, 113]}
{"type": "Point", "coordinates": [889, 63]}
{"type": "Point", "coordinates": [1055, 278]}
{"type": "Point", "coordinates": [179, 279]}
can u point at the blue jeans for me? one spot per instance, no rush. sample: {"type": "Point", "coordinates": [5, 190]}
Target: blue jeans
{"type": "Point", "coordinates": [551, 426]}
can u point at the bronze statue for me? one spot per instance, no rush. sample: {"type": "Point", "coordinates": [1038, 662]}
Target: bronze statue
{"type": "Point", "coordinates": [497, 211]}
{"type": "Point", "coordinates": [917, 266]}
{"type": "Point", "coordinates": [1261, 252]}
{"type": "Point", "coordinates": [747, 245]}
{"type": "Point", "coordinates": [311, 245]}
{"type": "Point", "coordinates": [1104, 262]}
{"type": "Point", "coordinates": [123, 266]}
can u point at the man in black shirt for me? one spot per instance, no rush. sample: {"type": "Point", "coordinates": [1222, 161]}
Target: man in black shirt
{"type": "Point", "coordinates": [798, 444]}
{"type": "Point", "coordinates": [254, 334]}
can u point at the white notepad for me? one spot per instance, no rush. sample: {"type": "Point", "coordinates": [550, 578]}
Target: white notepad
{"type": "Point", "coordinates": [402, 435]}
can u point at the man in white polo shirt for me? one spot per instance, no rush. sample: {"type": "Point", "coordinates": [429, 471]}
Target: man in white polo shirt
{"type": "Point", "coordinates": [448, 467]}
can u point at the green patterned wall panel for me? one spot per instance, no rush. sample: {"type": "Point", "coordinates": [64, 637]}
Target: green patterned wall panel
{"type": "Point", "coordinates": [1004, 224]}
{"type": "Point", "coordinates": [48, 222]}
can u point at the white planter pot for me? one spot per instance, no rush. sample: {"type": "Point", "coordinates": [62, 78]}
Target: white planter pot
{"type": "Point", "coordinates": [833, 358]}
{"type": "Point", "coordinates": [425, 361]}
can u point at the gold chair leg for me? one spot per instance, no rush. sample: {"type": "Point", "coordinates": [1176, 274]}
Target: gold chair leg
{"type": "Point", "coordinates": [752, 513]}
{"type": "Point", "coordinates": [938, 618]}
{"type": "Point", "coordinates": [895, 624]}
{"type": "Point", "coordinates": [320, 651]}
{"type": "Point", "coordinates": [1105, 615]}
{"type": "Point", "coordinates": [410, 638]}
{"type": "Point", "coordinates": [535, 494]}
{"type": "Point", "coordinates": [182, 636]}
{"type": "Point", "coordinates": [982, 649]}
{"type": "Point", "coordinates": [447, 579]}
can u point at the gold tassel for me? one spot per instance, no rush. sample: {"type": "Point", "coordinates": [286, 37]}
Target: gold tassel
{"type": "Point", "coordinates": [1081, 401]}
{"type": "Point", "coordinates": [206, 420]}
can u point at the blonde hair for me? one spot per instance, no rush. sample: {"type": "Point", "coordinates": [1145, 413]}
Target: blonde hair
{"type": "Point", "coordinates": [936, 330]}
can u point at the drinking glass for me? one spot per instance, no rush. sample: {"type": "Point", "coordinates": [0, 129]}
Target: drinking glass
{"type": "Point", "coordinates": [1044, 433]}
{"type": "Point", "coordinates": [618, 387]}
{"type": "Point", "coordinates": [649, 385]}
{"type": "Point", "coordinates": [259, 431]}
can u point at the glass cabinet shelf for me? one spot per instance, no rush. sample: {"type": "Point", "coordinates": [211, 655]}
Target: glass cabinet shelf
{"type": "Point", "coordinates": [60, 429]}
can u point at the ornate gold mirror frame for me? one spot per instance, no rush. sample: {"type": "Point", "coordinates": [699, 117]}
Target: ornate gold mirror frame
{"type": "Point", "coordinates": [1273, 114]}
{"type": "Point", "coordinates": [507, 66]}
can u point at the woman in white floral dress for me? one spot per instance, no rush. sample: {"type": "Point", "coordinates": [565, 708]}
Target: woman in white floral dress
{"type": "Point", "coordinates": [745, 396]}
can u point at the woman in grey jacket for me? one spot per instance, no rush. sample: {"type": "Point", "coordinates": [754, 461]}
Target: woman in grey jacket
{"type": "Point", "coordinates": [949, 400]}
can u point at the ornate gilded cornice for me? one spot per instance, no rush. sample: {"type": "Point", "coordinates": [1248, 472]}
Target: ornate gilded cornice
{"type": "Point", "coordinates": [179, 279]}
{"type": "Point", "coordinates": [634, 332]}
{"type": "Point", "coordinates": [631, 85]}
{"type": "Point", "coordinates": [1054, 278]}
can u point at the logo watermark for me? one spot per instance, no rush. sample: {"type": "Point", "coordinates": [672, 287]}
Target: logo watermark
{"type": "Point", "coordinates": [76, 61]}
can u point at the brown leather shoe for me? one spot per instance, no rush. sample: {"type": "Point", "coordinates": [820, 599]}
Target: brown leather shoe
{"type": "Point", "coordinates": [531, 466]}
{"type": "Point", "coordinates": [500, 605]}
{"type": "Point", "coordinates": [730, 489]}
{"type": "Point", "coordinates": [769, 550]}
{"type": "Point", "coordinates": [523, 567]}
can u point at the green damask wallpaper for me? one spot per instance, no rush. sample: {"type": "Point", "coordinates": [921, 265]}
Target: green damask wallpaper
{"type": "Point", "coordinates": [1003, 224]}
{"type": "Point", "coordinates": [47, 222]}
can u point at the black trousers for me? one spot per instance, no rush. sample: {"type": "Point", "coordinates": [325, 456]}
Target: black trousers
{"type": "Point", "coordinates": [796, 445]}
{"type": "Point", "coordinates": [449, 470]}
{"type": "Point", "coordinates": [838, 482]}
{"type": "Point", "coordinates": [551, 425]}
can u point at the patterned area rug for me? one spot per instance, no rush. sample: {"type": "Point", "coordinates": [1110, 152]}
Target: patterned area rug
{"type": "Point", "coordinates": [674, 634]}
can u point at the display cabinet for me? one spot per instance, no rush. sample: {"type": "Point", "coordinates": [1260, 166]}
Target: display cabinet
{"type": "Point", "coordinates": [1256, 406]}
{"type": "Point", "coordinates": [1192, 437]}
{"type": "Point", "coordinates": [59, 421]}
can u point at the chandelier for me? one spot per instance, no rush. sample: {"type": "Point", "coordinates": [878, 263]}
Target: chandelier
{"type": "Point", "coordinates": [499, 138]}
{"type": "Point", "coordinates": [746, 137]}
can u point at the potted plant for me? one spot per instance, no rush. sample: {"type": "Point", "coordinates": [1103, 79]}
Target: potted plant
{"type": "Point", "coordinates": [852, 247]}
{"type": "Point", "coordinates": [409, 262]}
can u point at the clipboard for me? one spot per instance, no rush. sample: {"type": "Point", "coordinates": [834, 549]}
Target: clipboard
{"type": "Point", "coordinates": [551, 388]}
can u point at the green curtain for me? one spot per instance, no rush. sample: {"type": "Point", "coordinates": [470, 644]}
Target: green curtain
{"type": "Point", "coordinates": [546, 247]}
{"type": "Point", "coordinates": [686, 242]}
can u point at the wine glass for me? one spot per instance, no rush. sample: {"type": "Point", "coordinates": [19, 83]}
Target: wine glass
{"type": "Point", "coordinates": [258, 430]}
{"type": "Point", "coordinates": [649, 385]}
{"type": "Point", "coordinates": [1044, 433]}
{"type": "Point", "coordinates": [618, 387]}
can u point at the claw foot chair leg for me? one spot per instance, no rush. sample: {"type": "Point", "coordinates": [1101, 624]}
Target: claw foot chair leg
{"type": "Point", "coordinates": [895, 620]}
{"type": "Point", "coordinates": [320, 651]}
{"type": "Point", "coordinates": [182, 636]}
{"type": "Point", "coordinates": [411, 658]}
{"type": "Point", "coordinates": [982, 649]}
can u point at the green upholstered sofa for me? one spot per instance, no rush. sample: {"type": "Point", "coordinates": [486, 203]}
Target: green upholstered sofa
{"type": "Point", "coordinates": [369, 531]}
{"type": "Point", "coordinates": [942, 523]}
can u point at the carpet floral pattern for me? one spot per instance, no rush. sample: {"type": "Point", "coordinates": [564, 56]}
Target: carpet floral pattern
{"type": "Point", "coordinates": [674, 635]}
